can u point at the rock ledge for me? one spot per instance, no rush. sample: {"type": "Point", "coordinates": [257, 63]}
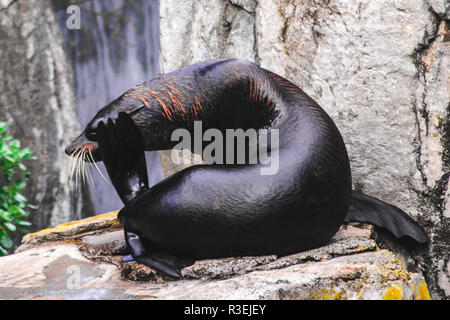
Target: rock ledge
{"type": "Point", "coordinates": [82, 260]}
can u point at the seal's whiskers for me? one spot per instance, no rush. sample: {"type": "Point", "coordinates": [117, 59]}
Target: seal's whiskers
{"type": "Point", "coordinates": [88, 171]}
{"type": "Point", "coordinates": [80, 165]}
{"type": "Point", "coordinates": [83, 166]}
{"type": "Point", "coordinates": [96, 167]}
{"type": "Point", "coordinates": [77, 167]}
{"type": "Point", "coordinates": [73, 163]}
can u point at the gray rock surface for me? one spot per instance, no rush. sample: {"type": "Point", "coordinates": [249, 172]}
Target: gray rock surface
{"type": "Point", "coordinates": [38, 103]}
{"type": "Point", "coordinates": [379, 68]}
{"type": "Point", "coordinates": [82, 260]}
{"type": "Point", "coordinates": [111, 243]}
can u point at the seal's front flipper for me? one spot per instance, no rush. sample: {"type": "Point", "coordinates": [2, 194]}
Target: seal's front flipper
{"type": "Point", "coordinates": [364, 208]}
{"type": "Point", "coordinates": [142, 252]}
{"type": "Point", "coordinates": [122, 150]}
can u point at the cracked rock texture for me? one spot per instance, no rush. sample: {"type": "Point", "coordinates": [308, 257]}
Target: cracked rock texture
{"type": "Point", "coordinates": [82, 260]}
{"type": "Point", "coordinates": [37, 102]}
{"type": "Point", "coordinates": [379, 68]}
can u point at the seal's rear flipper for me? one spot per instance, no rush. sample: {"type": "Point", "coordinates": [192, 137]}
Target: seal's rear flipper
{"type": "Point", "coordinates": [364, 208]}
{"type": "Point", "coordinates": [164, 262]}
{"type": "Point", "coordinates": [143, 252]}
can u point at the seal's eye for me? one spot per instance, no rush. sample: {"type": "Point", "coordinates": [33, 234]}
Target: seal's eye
{"type": "Point", "coordinates": [91, 135]}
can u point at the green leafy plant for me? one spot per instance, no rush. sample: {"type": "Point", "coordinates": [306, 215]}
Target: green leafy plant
{"type": "Point", "coordinates": [13, 205]}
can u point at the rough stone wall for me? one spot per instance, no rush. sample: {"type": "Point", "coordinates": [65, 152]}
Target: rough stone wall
{"type": "Point", "coordinates": [38, 103]}
{"type": "Point", "coordinates": [379, 68]}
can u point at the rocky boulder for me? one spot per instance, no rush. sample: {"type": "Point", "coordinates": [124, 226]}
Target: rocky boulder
{"type": "Point", "coordinates": [82, 260]}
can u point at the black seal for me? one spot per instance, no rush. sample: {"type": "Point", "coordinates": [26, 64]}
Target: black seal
{"type": "Point", "coordinates": [220, 210]}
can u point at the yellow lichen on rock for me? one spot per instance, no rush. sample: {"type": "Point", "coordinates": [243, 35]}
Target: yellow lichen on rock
{"type": "Point", "coordinates": [394, 270]}
{"type": "Point", "coordinates": [361, 249]}
{"type": "Point", "coordinates": [71, 230]}
{"type": "Point", "coordinates": [422, 291]}
{"type": "Point", "coordinates": [106, 216]}
{"type": "Point", "coordinates": [394, 292]}
{"type": "Point", "coordinates": [328, 294]}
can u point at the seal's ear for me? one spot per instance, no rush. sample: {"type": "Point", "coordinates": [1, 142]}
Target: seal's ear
{"type": "Point", "coordinates": [135, 110]}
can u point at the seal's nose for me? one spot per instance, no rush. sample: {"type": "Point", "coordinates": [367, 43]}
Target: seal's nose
{"type": "Point", "coordinates": [68, 150]}
{"type": "Point", "coordinates": [75, 144]}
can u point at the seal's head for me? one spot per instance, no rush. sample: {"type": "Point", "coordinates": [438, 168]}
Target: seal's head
{"type": "Point", "coordinates": [149, 107]}
{"type": "Point", "coordinates": [85, 144]}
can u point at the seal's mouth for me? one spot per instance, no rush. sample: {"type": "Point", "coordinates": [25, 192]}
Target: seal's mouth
{"type": "Point", "coordinates": [88, 152]}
